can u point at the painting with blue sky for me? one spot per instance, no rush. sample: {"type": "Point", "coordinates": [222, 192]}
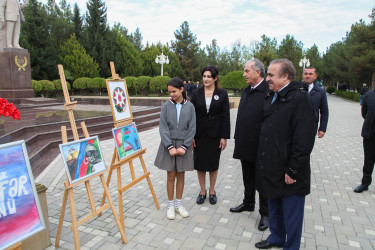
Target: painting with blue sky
{"type": "Point", "coordinates": [126, 140]}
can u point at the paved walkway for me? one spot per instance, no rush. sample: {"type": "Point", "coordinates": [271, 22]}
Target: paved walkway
{"type": "Point", "coordinates": [335, 217]}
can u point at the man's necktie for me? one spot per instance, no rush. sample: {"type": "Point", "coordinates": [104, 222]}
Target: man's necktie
{"type": "Point", "coordinates": [274, 97]}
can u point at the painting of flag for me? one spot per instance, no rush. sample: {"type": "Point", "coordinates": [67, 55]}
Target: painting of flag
{"type": "Point", "coordinates": [82, 158]}
{"type": "Point", "coordinates": [20, 212]}
{"type": "Point", "coordinates": [126, 140]}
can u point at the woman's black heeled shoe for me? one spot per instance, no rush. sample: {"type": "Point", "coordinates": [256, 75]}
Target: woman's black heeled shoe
{"type": "Point", "coordinates": [201, 198]}
{"type": "Point", "coordinates": [213, 198]}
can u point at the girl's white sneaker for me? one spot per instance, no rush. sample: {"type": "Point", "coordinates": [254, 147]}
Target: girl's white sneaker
{"type": "Point", "coordinates": [182, 211]}
{"type": "Point", "coordinates": [171, 215]}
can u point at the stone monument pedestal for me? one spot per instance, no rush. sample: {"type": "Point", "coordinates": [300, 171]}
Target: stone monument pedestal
{"type": "Point", "coordinates": [15, 75]}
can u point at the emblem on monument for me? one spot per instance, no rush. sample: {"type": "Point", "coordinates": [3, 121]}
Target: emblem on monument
{"type": "Point", "coordinates": [21, 63]}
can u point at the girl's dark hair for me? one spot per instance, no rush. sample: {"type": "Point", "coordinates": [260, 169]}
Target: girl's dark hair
{"type": "Point", "coordinates": [178, 83]}
{"type": "Point", "coordinates": [214, 73]}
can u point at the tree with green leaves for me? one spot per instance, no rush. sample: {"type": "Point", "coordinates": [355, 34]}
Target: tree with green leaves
{"type": "Point", "coordinates": [315, 59]}
{"type": "Point", "coordinates": [291, 49]}
{"type": "Point", "coordinates": [77, 22]}
{"type": "Point", "coordinates": [186, 49]}
{"type": "Point", "coordinates": [75, 60]}
{"type": "Point", "coordinates": [336, 64]}
{"type": "Point", "coordinates": [360, 42]}
{"type": "Point", "coordinates": [136, 39]}
{"type": "Point", "coordinates": [265, 50]}
{"type": "Point", "coordinates": [148, 55]}
{"type": "Point", "coordinates": [95, 33]}
{"type": "Point", "coordinates": [35, 37]}
{"type": "Point", "coordinates": [60, 21]}
{"type": "Point", "coordinates": [127, 57]}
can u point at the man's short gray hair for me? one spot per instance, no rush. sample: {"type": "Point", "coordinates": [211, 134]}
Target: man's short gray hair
{"type": "Point", "coordinates": [287, 67]}
{"type": "Point", "coordinates": [258, 65]}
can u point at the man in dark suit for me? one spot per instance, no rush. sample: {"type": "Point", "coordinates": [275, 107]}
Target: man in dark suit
{"type": "Point", "coordinates": [368, 134]}
{"type": "Point", "coordinates": [319, 98]}
{"type": "Point", "coordinates": [249, 119]}
{"type": "Point", "coordinates": [283, 163]}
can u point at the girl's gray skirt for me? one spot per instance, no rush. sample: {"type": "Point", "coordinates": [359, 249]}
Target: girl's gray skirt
{"type": "Point", "coordinates": [180, 163]}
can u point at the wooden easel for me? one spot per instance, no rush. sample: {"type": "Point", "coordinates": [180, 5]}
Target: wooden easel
{"type": "Point", "coordinates": [69, 106]}
{"type": "Point", "coordinates": [116, 164]}
{"type": "Point", "coordinates": [17, 246]}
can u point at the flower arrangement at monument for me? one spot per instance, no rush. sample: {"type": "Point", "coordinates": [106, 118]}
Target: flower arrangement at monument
{"type": "Point", "coordinates": [8, 109]}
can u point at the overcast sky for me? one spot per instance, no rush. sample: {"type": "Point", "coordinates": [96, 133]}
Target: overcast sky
{"type": "Point", "coordinates": [322, 22]}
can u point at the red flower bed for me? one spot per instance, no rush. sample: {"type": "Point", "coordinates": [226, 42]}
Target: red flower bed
{"type": "Point", "coordinates": [8, 109]}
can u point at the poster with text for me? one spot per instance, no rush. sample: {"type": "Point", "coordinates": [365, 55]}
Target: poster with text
{"type": "Point", "coordinates": [20, 212]}
{"type": "Point", "coordinates": [127, 140]}
{"type": "Point", "coordinates": [82, 158]}
{"type": "Point", "coordinates": [119, 99]}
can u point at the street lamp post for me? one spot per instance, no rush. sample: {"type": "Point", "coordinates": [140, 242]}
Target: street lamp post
{"type": "Point", "coordinates": [304, 62]}
{"type": "Point", "coordinates": [162, 59]}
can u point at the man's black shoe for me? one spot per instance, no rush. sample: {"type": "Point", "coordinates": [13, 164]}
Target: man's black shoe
{"type": "Point", "coordinates": [263, 223]}
{"type": "Point", "coordinates": [360, 188]}
{"type": "Point", "coordinates": [240, 208]}
{"type": "Point", "coordinates": [265, 245]}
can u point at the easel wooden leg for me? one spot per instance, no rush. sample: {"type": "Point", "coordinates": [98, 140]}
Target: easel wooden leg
{"type": "Point", "coordinates": [62, 214]}
{"type": "Point", "coordinates": [149, 183]}
{"type": "Point", "coordinates": [17, 246]}
{"type": "Point", "coordinates": [118, 222]}
{"type": "Point", "coordinates": [108, 178]}
{"type": "Point", "coordinates": [74, 218]}
{"type": "Point", "coordinates": [120, 200]}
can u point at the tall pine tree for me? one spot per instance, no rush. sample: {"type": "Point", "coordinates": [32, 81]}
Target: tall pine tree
{"type": "Point", "coordinates": [96, 30]}
{"type": "Point", "coordinates": [186, 49]}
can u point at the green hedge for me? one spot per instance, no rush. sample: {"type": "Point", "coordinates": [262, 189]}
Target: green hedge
{"type": "Point", "coordinates": [354, 96]}
{"type": "Point", "coordinates": [130, 80]}
{"type": "Point", "coordinates": [81, 83]}
{"type": "Point", "coordinates": [48, 88]}
{"type": "Point", "coordinates": [58, 86]}
{"type": "Point", "coordinates": [96, 83]}
{"type": "Point", "coordinates": [37, 86]}
{"type": "Point", "coordinates": [159, 84]}
{"type": "Point", "coordinates": [142, 85]}
{"type": "Point", "coordinates": [233, 81]}
{"type": "Point", "coordinates": [330, 89]}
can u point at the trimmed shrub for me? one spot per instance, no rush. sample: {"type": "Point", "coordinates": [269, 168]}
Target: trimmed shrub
{"type": "Point", "coordinates": [47, 87]}
{"type": "Point", "coordinates": [58, 86]}
{"type": "Point", "coordinates": [330, 89]}
{"type": "Point", "coordinates": [142, 85]}
{"type": "Point", "coordinates": [81, 83]}
{"type": "Point", "coordinates": [37, 87]}
{"type": "Point", "coordinates": [96, 83]}
{"type": "Point", "coordinates": [234, 81]}
{"type": "Point", "coordinates": [130, 80]}
{"type": "Point", "coordinates": [354, 96]}
{"type": "Point", "coordinates": [159, 84]}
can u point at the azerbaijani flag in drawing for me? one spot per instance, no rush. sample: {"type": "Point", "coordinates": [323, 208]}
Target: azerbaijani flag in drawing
{"type": "Point", "coordinates": [19, 216]}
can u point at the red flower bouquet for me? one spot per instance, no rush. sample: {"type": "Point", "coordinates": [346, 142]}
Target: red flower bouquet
{"type": "Point", "coordinates": [8, 109]}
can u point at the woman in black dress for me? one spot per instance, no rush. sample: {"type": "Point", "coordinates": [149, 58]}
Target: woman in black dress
{"type": "Point", "coordinates": [213, 129]}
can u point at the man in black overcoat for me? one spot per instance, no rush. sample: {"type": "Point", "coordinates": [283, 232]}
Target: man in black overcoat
{"type": "Point", "coordinates": [368, 134]}
{"type": "Point", "coordinates": [283, 163]}
{"type": "Point", "coordinates": [249, 118]}
{"type": "Point", "coordinates": [319, 98]}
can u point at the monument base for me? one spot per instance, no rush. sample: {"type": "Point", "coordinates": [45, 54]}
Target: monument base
{"type": "Point", "coordinates": [15, 75]}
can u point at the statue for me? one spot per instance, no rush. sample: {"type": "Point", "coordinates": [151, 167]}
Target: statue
{"type": "Point", "coordinates": [11, 17]}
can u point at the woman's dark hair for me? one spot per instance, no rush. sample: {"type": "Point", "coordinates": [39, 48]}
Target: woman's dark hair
{"type": "Point", "coordinates": [178, 83]}
{"type": "Point", "coordinates": [214, 74]}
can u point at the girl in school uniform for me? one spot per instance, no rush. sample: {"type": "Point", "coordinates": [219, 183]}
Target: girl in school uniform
{"type": "Point", "coordinates": [177, 130]}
